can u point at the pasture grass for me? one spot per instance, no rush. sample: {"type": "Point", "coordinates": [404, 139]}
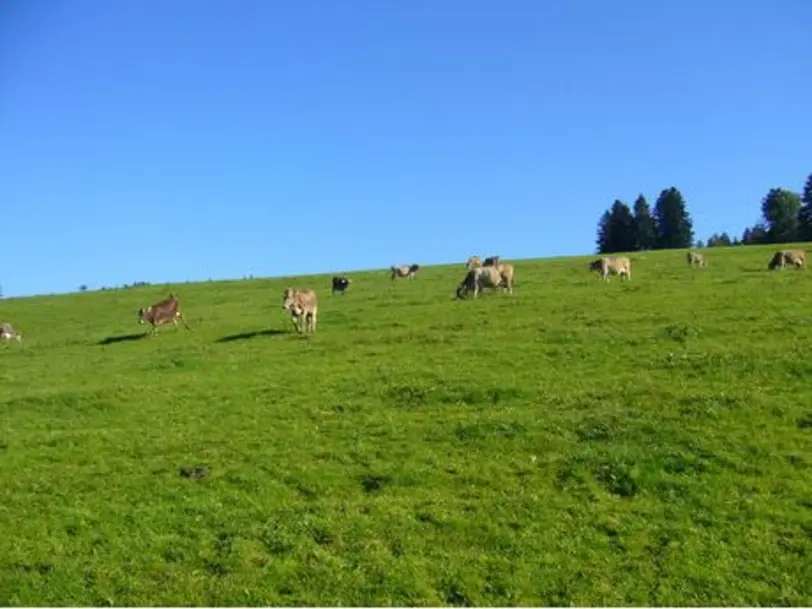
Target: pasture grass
{"type": "Point", "coordinates": [640, 443]}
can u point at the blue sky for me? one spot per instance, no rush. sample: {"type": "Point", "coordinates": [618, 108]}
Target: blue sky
{"type": "Point", "coordinates": [184, 140]}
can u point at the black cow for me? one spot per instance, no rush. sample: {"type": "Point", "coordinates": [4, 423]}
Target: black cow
{"type": "Point", "coordinates": [340, 284]}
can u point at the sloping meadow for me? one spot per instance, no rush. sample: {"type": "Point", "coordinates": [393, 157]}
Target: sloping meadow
{"type": "Point", "coordinates": [578, 442]}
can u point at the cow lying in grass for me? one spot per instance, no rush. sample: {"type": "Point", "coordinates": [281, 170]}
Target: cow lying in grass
{"type": "Point", "coordinates": [612, 265]}
{"type": "Point", "coordinates": [486, 277]}
{"type": "Point", "coordinates": [164, 312]}
{"type": "Point", "coordinates": [303, 306]}
{"type": "Point", "coordinates": [781, 258]}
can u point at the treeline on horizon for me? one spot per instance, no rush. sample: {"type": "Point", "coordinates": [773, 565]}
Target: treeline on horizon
{"type": "Point", "coordinates": [786, 216]}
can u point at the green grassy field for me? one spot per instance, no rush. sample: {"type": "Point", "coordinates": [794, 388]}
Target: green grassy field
{"type": "Point", "coordinates": [582, 443]}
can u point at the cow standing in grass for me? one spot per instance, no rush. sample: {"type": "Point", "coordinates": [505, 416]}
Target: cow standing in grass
{"type": "Point", "coordinates": [486, 277]}
{"type": "Point", "coordinates": [612, 265]}
{"type": "Point", "coordinates": [7, 332]}
{"type": "Point", "coordinates": [781, 258]}
{"type": "Point", "coordinates": [696, 259]}
{"type": "Point", "coordinates": [404, 271]}
{"type": "Point", "coordinates": [164, 312]}
{"type": "Point", "coordinates": [340, 284]}
{"type": "Point", "coordinates": [303, 306]}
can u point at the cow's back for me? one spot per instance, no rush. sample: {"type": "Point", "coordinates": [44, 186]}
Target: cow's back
{"type": "Point", "coordinates": [619, 263]}
{"type": "Point", "coordinates": [307, 299]}
{"type": "Point", "coordinates": [490, 275]}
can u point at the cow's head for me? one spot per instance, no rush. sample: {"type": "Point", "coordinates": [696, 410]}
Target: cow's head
{"type": "Point", "coordinates": [595, 265]}
{"type": "Point", "coordinates": [288, 298]}
{"type": "Point", "coordinates": [143, 315]}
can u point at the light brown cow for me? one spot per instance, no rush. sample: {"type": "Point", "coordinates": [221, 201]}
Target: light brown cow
{"type": "Point", "coordinates": [164, 312]}
{"type": "Point", "coordinates": [487, 277]}
{"type": "Point", "coordinates": [304, 308]}
{"type": "Point", "coordinates": [404, 271]}
{"type": "Point", "coordinates": [9, 333]}
{"type": "Point", "coordinates": [697, 259]}
{"type": "Point", "coordinates": [473, 262]}
{"type": "Point", "coordinates": [612, 265]}
{"type": "Point", "coordinates": [781, 258]}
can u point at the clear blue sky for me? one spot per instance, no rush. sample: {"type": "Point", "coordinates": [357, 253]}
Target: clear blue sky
{"type": "Point", "coordinates": [180, 140]}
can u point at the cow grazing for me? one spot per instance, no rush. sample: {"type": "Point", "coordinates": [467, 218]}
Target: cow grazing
{"type": "Point", "coordinates": [781, 258]}
{"type": "Point", "coordinates": [404, 271]}
{"type": "Point", "coordinates": [9, 333]}
{"type": "Point", "coordinates": [164, 312]}
{"type": "Point", "coordinates": [696, 259]}
{"type": "Point", "coordinates": [491, 261]}
{"type": "Point", "coordinates": [473, 262]}
{"type": "Point", "coordinates": [303, 306]}
{"type": "Point", "coordinates": [486, 277]}
{"type": "Point", "coordinates": [340, 284]}
{"type": "Point", "coordinates": [612, 265]}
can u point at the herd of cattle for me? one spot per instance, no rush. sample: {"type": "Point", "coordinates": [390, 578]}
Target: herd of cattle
{"type": "Point", "coordinates": [491, 273]}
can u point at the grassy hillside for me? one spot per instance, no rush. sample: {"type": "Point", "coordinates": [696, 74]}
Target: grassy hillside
{"type": "Point", "coordinates": [577, 443]}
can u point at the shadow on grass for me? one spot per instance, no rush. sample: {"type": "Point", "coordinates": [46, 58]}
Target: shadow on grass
{"type": "Point", "coordinates": [247, 335]}
{"type": "Point", "coordinates": [124, 338]}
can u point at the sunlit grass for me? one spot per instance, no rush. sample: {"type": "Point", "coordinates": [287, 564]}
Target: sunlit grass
{"type": "Point", "coordinates": [577, 443]}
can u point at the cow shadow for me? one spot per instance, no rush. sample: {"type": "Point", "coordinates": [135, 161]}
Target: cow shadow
{"type": "Point", "coordinates": [123, 338]}
{"type": "Point", "coordinates": [249, 335]}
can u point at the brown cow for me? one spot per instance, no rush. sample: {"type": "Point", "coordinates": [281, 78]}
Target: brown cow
{"type": "Point", "coordinates": [487, 277]}
{"type": "Point", "coordinates": [9, 333]}
{"type": "Point", "coordinates": [404, 271]}
{"type": "Point", "coordinates": [303, 306]}
{"type": "Point", "coordinates": [697, 259]}
{"type": "Point", "coordinates": [612, 265]}
{"type": "Point", "coordinates": [797, 258]}
{"type": "Point", "coordinates": [164, 312]}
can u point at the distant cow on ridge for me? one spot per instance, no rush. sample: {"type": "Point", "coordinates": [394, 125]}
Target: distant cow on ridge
{"type": "Point", "coordinates": [303, 306]}
{"type": "Point", "coordinates": [164, 312]}
{"type": "Point", "coordinates": [781, 258]}
{"type": "Point", "coordinates": [612, 265]}
{"type": "Point", "coordinates": [404, 271]}
{"type": "Point", "coordinates": [340, 284]}
{"type": "Point", "coordinates": [697, 259]}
